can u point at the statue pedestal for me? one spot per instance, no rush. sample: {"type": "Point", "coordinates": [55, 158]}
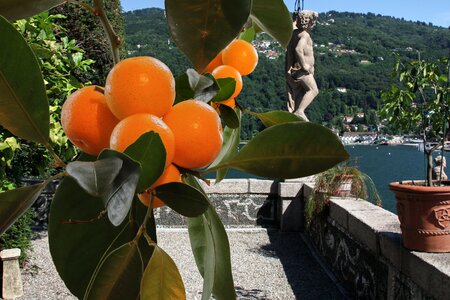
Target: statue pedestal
{"type": "Point", "coordinates": [11, 282]}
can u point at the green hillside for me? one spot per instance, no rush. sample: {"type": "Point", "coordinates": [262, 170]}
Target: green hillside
{"type": "Point", "coordinates": [354, 56]}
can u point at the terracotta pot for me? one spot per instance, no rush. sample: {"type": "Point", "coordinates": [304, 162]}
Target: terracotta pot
{"type": "Point", "coordinates": [345, 188]}
{"type": "Point", "coordinates": [424, 214]}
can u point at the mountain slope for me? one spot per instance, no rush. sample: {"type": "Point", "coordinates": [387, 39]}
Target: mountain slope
{"type": "Point", "coordinates": [354, 57]}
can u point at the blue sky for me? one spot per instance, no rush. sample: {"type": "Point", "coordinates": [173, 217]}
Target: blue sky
{"type": "Point", "coordinates": [435, 11]}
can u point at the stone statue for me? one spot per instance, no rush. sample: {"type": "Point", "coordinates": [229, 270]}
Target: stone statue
{"type": "Point", "coordinates": [301, 85]}
{"type": "Point", "coordinates": [436, 172]}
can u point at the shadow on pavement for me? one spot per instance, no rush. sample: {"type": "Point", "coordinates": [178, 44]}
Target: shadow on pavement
{"type": "Point", "coordinates": [307, 278]}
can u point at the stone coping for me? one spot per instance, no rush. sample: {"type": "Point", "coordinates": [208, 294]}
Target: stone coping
{"type": "Point", "coordinates": [241, 186]}
{"type": "Point", "coordinates": [10, 254]}
{"type": "Point", "coordinates": [379, 230]}
{"type": "Point", "coordinates": [286, 188]}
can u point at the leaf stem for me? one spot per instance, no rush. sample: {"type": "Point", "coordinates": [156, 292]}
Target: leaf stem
{"type": "Point", "coordinates": [58, 161]}
{"type": "Point", "coordinates": [83, 5]}
{"type": "Point", "coordinates": [114, 39]}
{"type": "Point", "coordinates": [148, 216]}
{"type": "Point", "coordinates": [98, 11]}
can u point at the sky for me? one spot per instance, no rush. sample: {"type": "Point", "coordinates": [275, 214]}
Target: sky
{"type": "Point", "coordinates": [434, 11]}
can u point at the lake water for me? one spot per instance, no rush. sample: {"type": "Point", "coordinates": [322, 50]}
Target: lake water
{"type": "Point", "coordinates": [384, 164]}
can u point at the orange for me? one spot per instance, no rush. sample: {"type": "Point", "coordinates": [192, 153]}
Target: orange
{"type": "Point", "coordinates": [241, 55]}
{"type": "Point", "coordinates": [225, 71]}
{"type": "Point", "coordinates": [217, 61]}
{"type": "Point", "coordinates": [130, 129]}
{"type": "Point", "coordinates": [170, 174]}
{"type": "Point", "coordinates": [198, 133]}
{"type": "Point", "coordinates": [87, 121]}
{"type": "Point", "coordinates": [140, 85]}
{"type": "Point", "coordinates": [229, 102]}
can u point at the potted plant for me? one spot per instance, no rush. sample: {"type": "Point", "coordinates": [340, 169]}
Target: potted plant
{"type": "Point", "coordinates": [418, 101]}
{"type": "Point", "coordinates": [343, 180]}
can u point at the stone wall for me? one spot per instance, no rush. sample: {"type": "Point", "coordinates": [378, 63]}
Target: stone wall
{"type": "Point", "coordinates": [361, 244]}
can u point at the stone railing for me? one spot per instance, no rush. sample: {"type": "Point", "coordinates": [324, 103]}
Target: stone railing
{"type": "Point", "coordinates": [361, 243]}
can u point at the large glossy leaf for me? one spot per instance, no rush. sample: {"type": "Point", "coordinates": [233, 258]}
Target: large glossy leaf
{"type": "Point", "coordinates": [183, 198]}
{"type": "Point", "coordinates": [211, 249]}
{"type": "Point", "coordinates": [201, 29]}
{"type": "Point", "coordinates": [149, 151]}
{"type": "Point", "coordinates": [274, 18]}
{"type": "Point", "coordinates": [15, 202]}
{"type": "Point", "coordinates": [119, 275]}
{"type": "Point", "coordinates": [20, 9]}
{"type": "Point", "coordinates": [289, 150]}
{"type": "Point", "coordinates": [276, 117]}
{"type": "Point", "coordinates": [95, 177]}
{"type": "Point", "coordinates": [121, 194]}
{"type": "Point", "coordinates": [230, 147]}
{"type": "Point", "coordinates": [79, 237]}
{"type": "Point", "coordinates": [23, 100]}
{"type": "Point", "coordinates": [162, 280]}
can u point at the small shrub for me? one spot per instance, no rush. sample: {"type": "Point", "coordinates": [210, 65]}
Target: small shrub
{"type": "Point", "coordinates": [19, 236]}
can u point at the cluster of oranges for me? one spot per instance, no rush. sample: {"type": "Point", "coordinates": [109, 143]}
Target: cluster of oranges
{"type": "Point", "coordinates": [238, 59]}
{"type": "Point", "coordinates": [138, 97]}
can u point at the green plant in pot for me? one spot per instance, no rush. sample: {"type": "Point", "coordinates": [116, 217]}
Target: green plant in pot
{"type": "Point", "coordinates": [418, 101]}
{"type": "Point", "coordinates": [343, 180]}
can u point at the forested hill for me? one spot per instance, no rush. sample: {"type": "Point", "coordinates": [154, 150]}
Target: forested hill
{"type": "Point", "coordinates": [354, 57]}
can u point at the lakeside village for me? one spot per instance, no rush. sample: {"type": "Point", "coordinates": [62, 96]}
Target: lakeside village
{"type": "Point", "coordinates": [363, 135]}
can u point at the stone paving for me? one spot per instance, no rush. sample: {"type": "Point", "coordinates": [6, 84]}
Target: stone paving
{"type": "Point", "coordinates": [266, 264]}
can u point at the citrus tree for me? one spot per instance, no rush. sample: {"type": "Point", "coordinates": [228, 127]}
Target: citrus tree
{"type": "Point", "coordinates": [146, 139]}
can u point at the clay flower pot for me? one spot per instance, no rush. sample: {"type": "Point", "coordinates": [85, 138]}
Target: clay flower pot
{"type": "Point", "coordinates": [424, 214]}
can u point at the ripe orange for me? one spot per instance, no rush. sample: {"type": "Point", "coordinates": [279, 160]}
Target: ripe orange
{"type": "Point", "coordinates": [140, 85]}
{"type": "Point", "coordinates": [229, 102]}
{"type": "Point", "coordinates": [217, 61]}
{"type": "Point", "coordinates": [170, 174]}
{"type": "Point", "coordinates": [225, 71]}
{"type": "Point", "coordinates": [198, 133]}
{"type": "Point", "coordinates": [87, 120]}
{"type": "Point", "coordinates": [131, 128]}
{"type": "Point", "coordinates": [241, 55]}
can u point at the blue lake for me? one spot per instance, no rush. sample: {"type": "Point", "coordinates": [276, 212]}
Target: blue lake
{"type": "Point", "coordinates": [383, 164]}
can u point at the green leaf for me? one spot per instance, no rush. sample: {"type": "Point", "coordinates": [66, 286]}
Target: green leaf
{"type": "Point", "coordinates": [226, 89]}
{"type": "Point", "coordinates": [201, 29]}
{"type": "Point", "coordinates": [289, 150]}
{"type": "Point", "coordinates": [149, 151]}
{"type": "Point", "coordinates": [211, 249]}
{"type": "Point", "coordinates": [276, 117]}
{"type": "Point", "coordinates": [161, 279]}
{"type": "Point", "coordinates": [23, 98]}
{"type": "Point", "coordinates": [182, 198]}
{"type": "Point", "coordinates": [79, 237]}
{"type": "Point", "coordinates": [20, 9]}
{"type": "Point", "coordinates": [95, 177]}
{"type": "Point", "coordinates": [273, 17]}
{"type": "Point", "coordinates": [15, 202]}
{"type": "Point", "coordinates": [119, 275]}
{"type": "Point", "coordinates": [229, 116]}
{"type": "Point", "coordinates": [123, 189]}
{"type": "Point", "coordinates": [248, 35]}
{"type": "Point", "coordinates": [183, 88]}
{"type": "Point", "coordinates": [230, 147]}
